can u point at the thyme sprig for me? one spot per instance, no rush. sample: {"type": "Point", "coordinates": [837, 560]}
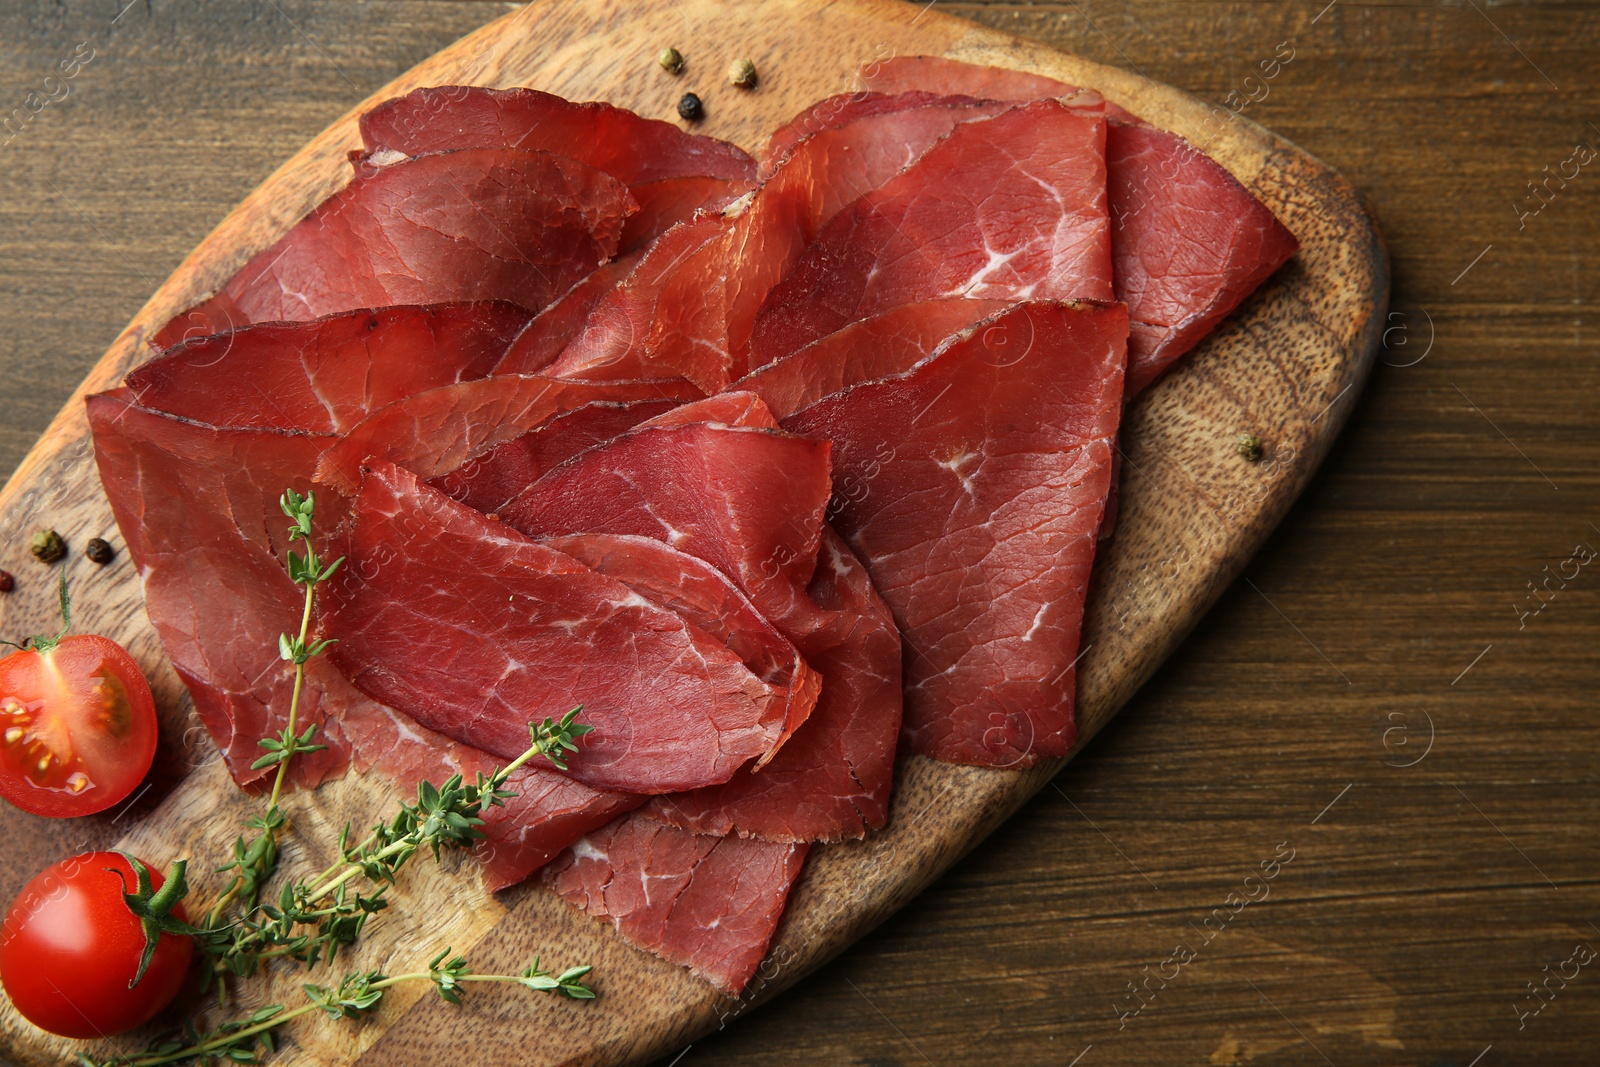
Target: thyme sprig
{"type": "Point", "coordinates": [313, 918]}
{"type": "Point", "coordinates": [355, 995]}
{"type": "Point", "coordinates": [256, 860]}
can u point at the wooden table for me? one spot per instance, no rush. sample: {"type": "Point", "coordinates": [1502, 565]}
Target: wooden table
{"type": "Point", "coordinates": [1377, 697]}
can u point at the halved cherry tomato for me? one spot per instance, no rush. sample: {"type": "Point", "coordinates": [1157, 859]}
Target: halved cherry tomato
{"type": "Point", "coordinates": [70, 946]}
{"type": "Point", "coordinates": [77, 726]}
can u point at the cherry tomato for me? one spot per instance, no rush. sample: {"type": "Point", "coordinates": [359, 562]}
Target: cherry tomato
{"type": "Point", "coordinates": [77, 726]}
{"type": "Point", "coordinates": [69, 947]}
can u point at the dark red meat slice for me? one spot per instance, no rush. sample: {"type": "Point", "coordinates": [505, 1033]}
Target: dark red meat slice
{"type": "Point", "coordinates": [1188, 242]}
{"type": "Point", "coordinates": [691, 306]}
{"type": "Point", "coordinates": [900, 74]}
{"type": "Point", "coordinates": [708, 903]}
{"type": "Point", "coordinates": [1007, 208]}
{"type": "Point", "coordinates": [668, 201]}
{"type": "Point", "coordinates": [832, 780]}
{"type": "Point", "coordinates": [609, 138]}
{"type": "Point", "coordinates": [550, 811]}
{"type": "Point", "coordinates": [706, 598]}
{"type": "Point", "coordinates": [666, 319]}
{"type": "Point", "coordinates": [733, 408]}
{"type": "Point", "coordinates": [972, 486]}
{"type": "Point", "coordinates": [745, 502]}
{"type": "Point", "coordinates": [436, 432]}
{"type": "Point", "coordinates": [489, 481]}
{"type": "Point", "coordinates": [473, 630]}
{"type": "Point", "coordinates": [887, 343]}
{"type": "Point", "coordinates": [326, 375]}
{"type": "Point", "coordinates": [670, 173]}
{"type": "Point", "coordinates": [476, 224]}
{"type": "Point", "coordinates": [893, 124]}
{"type": "Point", "coordinates": [197, 507]}
{"type": "Point", "coordinates": [542, 342]}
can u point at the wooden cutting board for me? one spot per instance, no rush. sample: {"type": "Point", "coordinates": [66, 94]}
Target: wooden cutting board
{"type": "Point", "coordinates": [1287, 367]}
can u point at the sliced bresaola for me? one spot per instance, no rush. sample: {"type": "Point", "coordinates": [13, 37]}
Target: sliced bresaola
{"type": "Point", "coordinates": [542, 341]}
{"type": "Point", "coordinates": [900, 74]}
{"type": "Point", "coordinates": [751, 503]}
{"type": "Point", "coordinates": [670, 173]}
{"type": "Point", "coordinates": [705, 597]}
{"type": "Point", "coordinates": [474, 224]}
{"type": "Point", "coordinates": [690, 308]}
{"type": "Point", "coordinates": [327, 374]}
{"type": "Point", "coordinates": [887, 343]}
{"type": "Point", "coordinates": [748, 501]}
{"type": "Point", "coordinates": [549, 812]}
{"type": "Point", "coordinates": [435, 432]}
{"type": "Point", "coordinates": [474, 631]}
{"type": "Point", "coordinates": [708, 903]}
{"type": "Point", "coordinates": [667, 318]}
{"type": "Point", "coordinates": [197, 507]}
{"type": "Point", "coordinates": [847, 109]}
{"type": "Point", "coordinates": [489, 481]}
{"type": "Point", "coordinates": [733, 408]}
{"type": "Point", "coordinates": [833, 778]}
{"type": "Point", "coordinates": [972, 487]}
{"type": "Point", "coordinates": [1007, 208]}
{"type": "Point", "coordinates": [1189, 243]}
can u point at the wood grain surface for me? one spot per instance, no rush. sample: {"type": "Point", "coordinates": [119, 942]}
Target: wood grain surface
{"type": "Point", "coordinates": [1421, 902]}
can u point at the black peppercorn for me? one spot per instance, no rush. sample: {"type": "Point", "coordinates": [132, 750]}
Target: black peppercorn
{"type": "Point", "coordinates": [691, 108]}
{"type": "Point", "coordinates": [99, 550]}
{"type": "Point", "coordinates": [7, 582]}
{"type": "Point", "coordinates": [47, 546]}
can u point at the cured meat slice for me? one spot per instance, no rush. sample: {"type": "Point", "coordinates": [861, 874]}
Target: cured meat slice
{"type": "Point", "coordinates": [603, 136]}
{"type": "Point", "coordinates": [666, 202]}
{"type": "Point", "coordinates": [747, 501]}
{"type": "Point", "coordinates": [491, 480]}
{"type": "Point", "coordinates": [706, 598]}
{"type": "Point", "coordinates": [899, 74]}
{"type": "Point", "coordinates": [436, 432]}
{"type": "Point", "coordinates": [742, 500]}
{"type": "Point", "coordinates": [326, 375]}
{"type": "Point", "coordinates": [669, 172]}
{"type": "Point", "coordinates": [734, 408]}
{"type": "Point", "coordinates": [832, 780]}
{"type": "Point", "coordinates": [475, 224]}
{"type": "Point", "coordinates": [542, 341]}
{"type": "Point", "coordinates": [1188, 242]}
{"type": "Point", "coordinates": [197, 507]}
{"type": "Point", "coordinates": [845, 109]}
{"type": "Point", "coordinates": [708, 903]}
{"type": "Point", "coordinates": [1008, 208]}
{"type": "Point", "coordinates": [427, 633]}
{"type": "Point", "coordinates": [972, 487]}
{"type": "Point", "coordinates": [885, 344]}
{"type": "Point", "coordinates": [690, 308]}
{"type": "Point", "coordinates": [666, 319]}
{"type": "Point", "coordinates": [549, 812]}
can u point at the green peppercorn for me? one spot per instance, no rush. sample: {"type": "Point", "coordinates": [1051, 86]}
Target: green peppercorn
{"type": "Point", "coordinates": [742, 73]}
{"type": "Point", "coordinates": [671, 60]}
{"type": "Point", "coordinates": [47, 546]}
{"type": "Point", "coordinates": [691, 108]}
{"type": "Point", "coordinates": [1249, 446]}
